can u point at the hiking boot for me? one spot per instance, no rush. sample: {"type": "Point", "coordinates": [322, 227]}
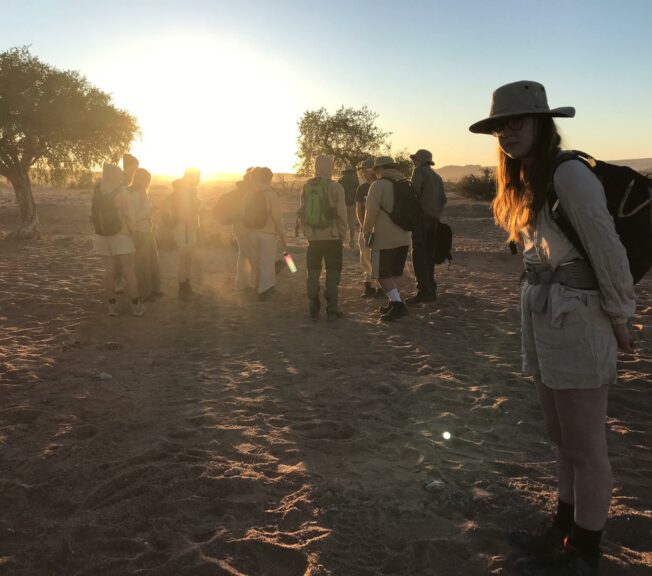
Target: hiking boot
{"type": "Point", "coordinates": [397, 310]}
{"type": "Point", "coordinates": [567, 562]}
{"type": "Point", "coordinates": [385, 308]}
{"type": "Point", "coordinates": [419, 298]}
{"type": "Point", "coordinates": [315, 306]}
{"type": "Point", "coordinates": [546, 540]}
{"type": "Point", "coordinates": [137, 308]}
{"type": "Point", "coordinates": [380, 293]}
{"type": "Point", "coordinates": [369, 291]}
{"type": "Point", "coordinates": [113, 309]}
{"type": "Point", "coordinates": [185, 290]}
{"type": "Point", "coordinates": [333, 314]}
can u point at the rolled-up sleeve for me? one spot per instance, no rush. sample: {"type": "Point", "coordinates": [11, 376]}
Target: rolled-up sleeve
{"type": "Point", "coordinates": [583, 200]}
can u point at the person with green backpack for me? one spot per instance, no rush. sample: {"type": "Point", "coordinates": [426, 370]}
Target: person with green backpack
{"type": "Point", "coordinates": [322, 214]}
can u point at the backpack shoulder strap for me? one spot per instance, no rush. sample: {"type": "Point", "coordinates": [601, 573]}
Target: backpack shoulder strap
{"type": "Point", "coordinates": [557, 212]}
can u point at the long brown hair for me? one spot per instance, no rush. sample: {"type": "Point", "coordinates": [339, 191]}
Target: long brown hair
{"type": "Point", "coordinates": [521, 190]}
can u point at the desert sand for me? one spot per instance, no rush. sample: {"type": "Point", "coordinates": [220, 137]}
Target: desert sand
{"type": "Point", "coordinates": [229, 436]}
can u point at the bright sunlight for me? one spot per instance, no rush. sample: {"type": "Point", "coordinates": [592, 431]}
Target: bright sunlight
{"type": "Point", "coordinates": [205, 102]}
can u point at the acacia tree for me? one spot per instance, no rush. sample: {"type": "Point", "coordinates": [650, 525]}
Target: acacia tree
{"type": "Point", "coordinates": [54, 122]}
{"type": "Point", "coordinates": [349, 136]}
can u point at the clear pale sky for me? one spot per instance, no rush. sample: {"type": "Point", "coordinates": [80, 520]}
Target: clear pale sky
{"type": "Point", "coordinates": [222, 84]}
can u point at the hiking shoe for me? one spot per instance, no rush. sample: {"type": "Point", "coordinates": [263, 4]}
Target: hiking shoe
{"type": "Point", "coordinates": [137, 309]}
{"type": "Point", "coordinates": [332, 314]}
{"type": "Point", "coordinates": [419, 298]}
{"type": "Point", "coordinates": [397, 310]}
{"type": "Point", "coordinates": [113, 309]}
{"type": "Point", "coordinates": [385, 308]}
{"type": "Point", "coordinates": [369, 291]}
{"type": "Point", "coordinates": [546, 540]}
{"type": "Point", "coordinates": [567, 562]}
{"type": "Point", "coordinates": [380, 293]}
{"type": "Point", "coordinates": [315, 306]}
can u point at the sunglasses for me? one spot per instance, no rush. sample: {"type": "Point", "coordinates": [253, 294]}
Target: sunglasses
{"type": "Point", "coordinates": [514, 123]}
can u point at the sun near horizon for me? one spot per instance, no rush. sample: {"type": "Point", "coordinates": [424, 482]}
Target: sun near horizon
{"type": "Point", "coordinates": [205, 102]}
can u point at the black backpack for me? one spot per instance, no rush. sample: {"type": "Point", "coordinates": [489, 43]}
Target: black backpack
{"type": "Point", "coordinates": [255, 212]}
{"type": "Point", "coordinates": [105, 215]}
{"type": "Point", "coordinates": [407, 211]}
{"type": "Point", "coordinates": [629, 200]}
{"type": "Point", "coordinates": [443, 243]}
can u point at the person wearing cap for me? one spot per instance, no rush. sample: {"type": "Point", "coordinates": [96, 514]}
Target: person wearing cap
{"type": "Point", "coordinates": [430, 188]}
{"type": "Point", "coordinates": [325, 243]}
{"type": "Point", "coordinates": [389, 242]}
{"type": "Point", "coordinates": [573, 315]}
{"type": "Point", "coordinates": [349, 181]}
{"type": "Point", "coordinates": [368, 176]}
{"type": "Point", "coordinates": [118, 247]}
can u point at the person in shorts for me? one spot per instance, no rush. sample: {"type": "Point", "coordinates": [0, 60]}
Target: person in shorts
{"type": "Point", "coordinates": [389, 243]}
{"type": "Point", "coordinates": [574, 313]}
{"type": "Point", "coordinates": [118, 247]}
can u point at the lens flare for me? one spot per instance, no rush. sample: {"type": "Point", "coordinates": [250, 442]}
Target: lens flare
{"type": "Point", "coordinates": [446, 435]}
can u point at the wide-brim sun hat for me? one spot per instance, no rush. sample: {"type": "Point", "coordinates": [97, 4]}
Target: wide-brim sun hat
{"type": "Point", "coordinates": [423, 155]}
{"type": "Point", "coordinates": [367, 164]}
{"type": "Point", "coordinates": [383, 161]}
{"type": "Point", "coordinates": [521, 98]}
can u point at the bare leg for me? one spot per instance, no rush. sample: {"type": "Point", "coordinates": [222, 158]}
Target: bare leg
{"type": "Point", "coordinates": [582, 418]}
{"type": "Point", "coordinates": [109, 276]}
{"type": "Point", "coordinates": [127, 262]}
{"type": "Point", "coordinates": [565, 472]}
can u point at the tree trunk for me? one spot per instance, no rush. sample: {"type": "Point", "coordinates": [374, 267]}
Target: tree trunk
{"type": "Point", "coordinates": [28, 217]}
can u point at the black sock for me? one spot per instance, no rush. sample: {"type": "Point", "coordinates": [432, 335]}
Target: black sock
{"type": "Point", "coordinates": [564, 516]}
{"type": "Point", "coordinates": [587, 542]}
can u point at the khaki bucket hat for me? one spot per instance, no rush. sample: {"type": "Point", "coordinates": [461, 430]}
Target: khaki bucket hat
{"type": "Point", "coordinates": [519, 98]}
{"type": "Point", "coordinates": [383, 161]}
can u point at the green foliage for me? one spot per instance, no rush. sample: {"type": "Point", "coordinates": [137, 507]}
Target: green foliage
{"type": "Point", "coordinates": [349, 136]}
{"type": "Point", "coordinates": [479, 187]}
{"type": "Point", "coordinates": [55, 122]}
{"type": "Point", "coordinates": [405, 164]}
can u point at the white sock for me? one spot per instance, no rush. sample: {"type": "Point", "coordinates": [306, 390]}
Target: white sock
{"type": "Point", "coordinates": [394, 296]}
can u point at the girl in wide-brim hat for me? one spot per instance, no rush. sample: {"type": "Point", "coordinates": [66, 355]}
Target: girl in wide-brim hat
{"type": "Point", "coordinates": [571, 330]}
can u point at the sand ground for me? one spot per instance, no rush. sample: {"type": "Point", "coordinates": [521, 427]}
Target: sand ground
{"type": "Point", "coordinates": [229, 436]}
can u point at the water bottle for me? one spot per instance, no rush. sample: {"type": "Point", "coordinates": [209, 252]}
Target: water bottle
{"type": "Point", "coordinates": [290, 262]}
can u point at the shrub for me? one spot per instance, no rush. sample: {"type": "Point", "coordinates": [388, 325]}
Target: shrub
{"type": "Point", "coordinates": [479, 187]}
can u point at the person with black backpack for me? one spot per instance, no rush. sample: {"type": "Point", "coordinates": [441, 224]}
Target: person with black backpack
{"type": "Point", "coordinates": [322, 214]}
{"type": "Point", "coordinates": [392, 211]}
{"type": "Point", "coordinates": [430, 188]}
{"type": "Point", "coordinates": [263, 225]}
{"type": "Point", "coordinates": [575, 306]}
{"type": "Point", "coordinates": [113, 224]}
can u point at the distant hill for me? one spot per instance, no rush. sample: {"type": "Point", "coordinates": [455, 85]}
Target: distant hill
{"type": "Point", "coordinates": [456, 173]}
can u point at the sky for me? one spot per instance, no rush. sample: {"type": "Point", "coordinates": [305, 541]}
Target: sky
{"type": "Point", "coordinates": [222, 84]}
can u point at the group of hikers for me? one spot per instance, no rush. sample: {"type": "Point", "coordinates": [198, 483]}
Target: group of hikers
{"type": "Point", "coordinates": [391, 212]}
{"type": "Point", "coordinates": [581, 261]}
{"type": "Point", "coordinates": [121, 214]}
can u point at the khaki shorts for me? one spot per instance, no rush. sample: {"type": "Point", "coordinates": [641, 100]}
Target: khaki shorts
{"type": "Point", "coordinates": [116, 245]}
{"type": "Point", "coordinates": [570, 344]}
